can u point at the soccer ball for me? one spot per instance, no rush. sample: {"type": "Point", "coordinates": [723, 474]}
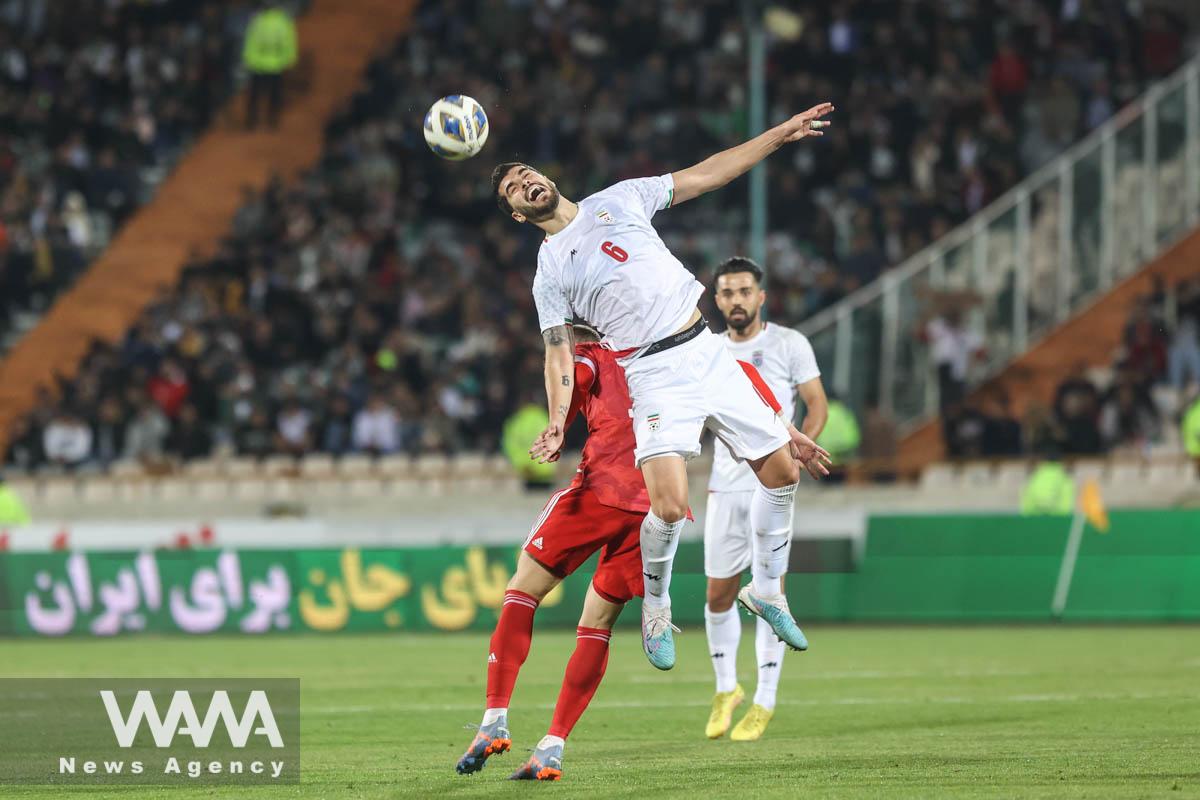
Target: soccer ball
{"type": "Point", "coordinates": [456, 127]}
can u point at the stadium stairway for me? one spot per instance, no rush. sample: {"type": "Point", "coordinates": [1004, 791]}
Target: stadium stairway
{"type": "Point", "coordinates": [1090, 337]}
{"type": "Point", "coordinates": [195, 205]}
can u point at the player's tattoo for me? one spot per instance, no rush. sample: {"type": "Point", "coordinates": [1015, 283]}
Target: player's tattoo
{"type": "Point", "coordinates": [562, 411]}
{"type": "Point", "coordinates": [566, 380]}
{"type": "Point", "coordinates": [556, 336]}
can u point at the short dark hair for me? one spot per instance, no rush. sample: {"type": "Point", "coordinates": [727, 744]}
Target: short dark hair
{"type": "Point", "coordinates": [739, 264]}
{"type": "Point", "coordinates": [584, 332]}
{"type": "Point", "coordinates": [498, 175]}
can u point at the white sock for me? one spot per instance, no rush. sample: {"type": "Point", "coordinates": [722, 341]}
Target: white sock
{"type": "Point", "coordinates": [659, 542]}
{"type": "Point", "coordinates": [771, 521]}
{"type": "Point", "coordinates": [551, 741]}
{"type": "Point", "coordinates": [492, 714]}
{"type": "Point", "coordinates": [724, 631]}
{"type": "Point", "coordinates": [769, 651]}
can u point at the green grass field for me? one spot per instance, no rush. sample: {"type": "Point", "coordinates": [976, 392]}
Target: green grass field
{"type": "Point", "coordinates": [867, 712]}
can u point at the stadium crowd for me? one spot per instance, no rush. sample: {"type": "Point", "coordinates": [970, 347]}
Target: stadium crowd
{"type": "Point", "coordinates": [98, 98]}
{"type": "Point", "coordinates": [1131, 403]}
{"type": "Point", "coordinates": [381, 304]}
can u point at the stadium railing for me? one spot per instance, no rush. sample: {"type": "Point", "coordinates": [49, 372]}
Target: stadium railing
{"type": "Point", "coordinates": [1036, 256]}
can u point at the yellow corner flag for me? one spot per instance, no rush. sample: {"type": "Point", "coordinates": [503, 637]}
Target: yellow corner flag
{"type": "Point", "coordinates": [1091, 505]}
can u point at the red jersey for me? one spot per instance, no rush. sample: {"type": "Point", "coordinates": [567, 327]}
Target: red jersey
{"type": "Point", "coordinates": [607, 466]}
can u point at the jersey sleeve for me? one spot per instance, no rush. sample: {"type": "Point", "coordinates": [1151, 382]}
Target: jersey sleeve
{"type": "Point", "coordinates": [802, 361]}
{"type": "Point", "coordinates": [549, 297]}
{"type": "Point", "coordinates": [648, 195]}
{"type": "Point", "coordinates": [585, 380]}
{"type": "Point", "coordinates": [760, 386]}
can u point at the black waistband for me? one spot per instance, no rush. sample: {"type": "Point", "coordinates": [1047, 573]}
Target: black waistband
{"type": "Point", "coordinates": [676, 339]}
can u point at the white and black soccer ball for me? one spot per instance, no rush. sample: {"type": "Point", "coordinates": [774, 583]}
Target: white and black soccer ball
{"type": "Point", "coordinates": [456, 127]}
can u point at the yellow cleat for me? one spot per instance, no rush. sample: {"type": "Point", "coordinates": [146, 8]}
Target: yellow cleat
{"type": "Point", "coordinates": [722, 711]}
{"type": "Point", "coordinates": [753, 725]}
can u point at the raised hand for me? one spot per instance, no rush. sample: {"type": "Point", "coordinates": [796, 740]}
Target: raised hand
{"type": "Point", "coordinates": [807, 123]}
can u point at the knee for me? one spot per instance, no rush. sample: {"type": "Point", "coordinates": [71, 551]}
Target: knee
{"type": "Point", "coordinates": [670, 509]}
{"type": "Point", "coordinates": [721, 594]}
{"type": "Point", "coordinates": [787, 473]}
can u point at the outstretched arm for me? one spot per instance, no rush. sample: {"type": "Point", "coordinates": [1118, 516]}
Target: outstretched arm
{"type": "Point", "coordinates": [560, 385]}
{"type": "Point", "coordinates": [718, 170]}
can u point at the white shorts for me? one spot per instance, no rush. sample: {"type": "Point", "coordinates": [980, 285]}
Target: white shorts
{"type": "Point", "coordinates": [728, 539]}
{"type": "Point", "coordinates": [698, 384]}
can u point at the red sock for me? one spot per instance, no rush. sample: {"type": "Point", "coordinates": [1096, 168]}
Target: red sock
{"type": "Point", "coordinates": [510, 646]}
{"type": "Point", "coordinates": [584, 671]}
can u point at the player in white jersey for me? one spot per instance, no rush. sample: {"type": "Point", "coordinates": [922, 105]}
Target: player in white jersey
{"type": "Point", "coordinates": [786, 362]}
{"type": "Point", "coordinates": [603, 261]}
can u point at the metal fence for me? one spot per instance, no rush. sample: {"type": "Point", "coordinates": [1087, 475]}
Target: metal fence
{"type": "Point", "coordinates": [1036, 256]}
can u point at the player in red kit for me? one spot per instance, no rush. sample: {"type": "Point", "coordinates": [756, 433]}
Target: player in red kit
{"type": "Point", "coordinates": [603, 508]}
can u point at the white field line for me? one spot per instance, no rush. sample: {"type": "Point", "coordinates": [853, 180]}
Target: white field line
{"type": "Point", "coordinates": [831, 701]}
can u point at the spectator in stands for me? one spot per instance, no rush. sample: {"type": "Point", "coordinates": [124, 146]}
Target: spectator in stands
{"type": "Point", "coordinates": [964, 426]}
{"type": "Point", "coordinates": [377, 427]}
{"type": "Point", "coordinates": [169, 387]}
{"type": "Point", "coordinates": [25, 446]}
{"type": "Point", "coordinates": [294, 429]}
{"type": "Point", "coordinates": [1183, 354]}
{"type": "Point", "coordinates": [1077, 412]}
{"type": "Point", "coordinates": [189, 437]}
{"type": "Point", "coordinates": [146, 434]}
{"type": "Point", "coordinates": [255, 436]}
{"type": "Point", "coordinates": [1146, 345]}
{"type": "Point", "coordinates": [1128, 416]}
{"type": "Point", "coordinates": [108, 433]}
{"type": "Point", "coordinates": [1002, 431]}
{"type": "Point", "coordinates": [336, 431]}
{"type": "Point", "coordinates": [270, 51]}
{"type": "Point", "coordinates": [953, 345]}
{"type": "Point", "coordinates": [67, 441]}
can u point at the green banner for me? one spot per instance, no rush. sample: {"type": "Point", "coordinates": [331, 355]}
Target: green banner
{"type": "Point", "coordinates": [915, 568]}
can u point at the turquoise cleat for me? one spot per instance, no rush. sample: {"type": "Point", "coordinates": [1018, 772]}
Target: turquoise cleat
{"type": "Point", "coordinates": [491, 740]}
{"type": "Point", "coordinates": [544, 765]}
{"type": "Point", "coordinates": [658, 641]}
{"type": "Point", "coordinates": [775, 611]}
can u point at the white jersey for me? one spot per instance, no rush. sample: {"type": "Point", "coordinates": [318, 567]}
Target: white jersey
{"type": "Point", "coordinates": [610, 268]}
{"type": "Point", "coordinates": [785, 359]}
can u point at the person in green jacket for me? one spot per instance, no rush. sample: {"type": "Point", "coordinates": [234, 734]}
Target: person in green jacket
{"type": "Point", "coordinates": [841, 437]}
{"type": "Point", "coordinates": [269, 51]}
{"type": "Point", "coordinates": [12, 509]}
{"type": "Point", "coordinates": [1190, 428]}
{"type": "Point", "coordinates": [526, 423]}
{"type": "Point", "coordinates": [1049, 490]}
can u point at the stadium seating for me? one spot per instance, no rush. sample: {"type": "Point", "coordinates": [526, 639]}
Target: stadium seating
{"type": "Point", "coordinates": [472, 321]}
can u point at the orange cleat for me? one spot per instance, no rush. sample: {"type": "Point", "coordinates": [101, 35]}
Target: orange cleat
{"type": "Point", "coordinates": [489, 741]}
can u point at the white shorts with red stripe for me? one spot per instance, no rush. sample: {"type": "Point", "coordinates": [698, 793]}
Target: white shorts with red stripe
{"type": "Point", "coordinates": [696, 385]}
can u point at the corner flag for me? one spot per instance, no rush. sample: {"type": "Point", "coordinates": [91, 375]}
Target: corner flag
{"type": "Point", "coordinates": [1089, 507]}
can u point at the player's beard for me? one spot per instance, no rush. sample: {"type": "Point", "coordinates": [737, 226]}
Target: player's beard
{"type": "Point", "coordinates": [533, 215]}
{"type": "Point", "coordinates": [744, 321]}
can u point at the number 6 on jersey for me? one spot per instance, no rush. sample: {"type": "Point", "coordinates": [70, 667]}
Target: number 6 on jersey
{"type": "Point", "coordinates": [615, 252]}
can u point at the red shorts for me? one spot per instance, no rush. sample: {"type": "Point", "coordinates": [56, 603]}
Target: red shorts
{"type": "Point", "coordinates": [573, 525]}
